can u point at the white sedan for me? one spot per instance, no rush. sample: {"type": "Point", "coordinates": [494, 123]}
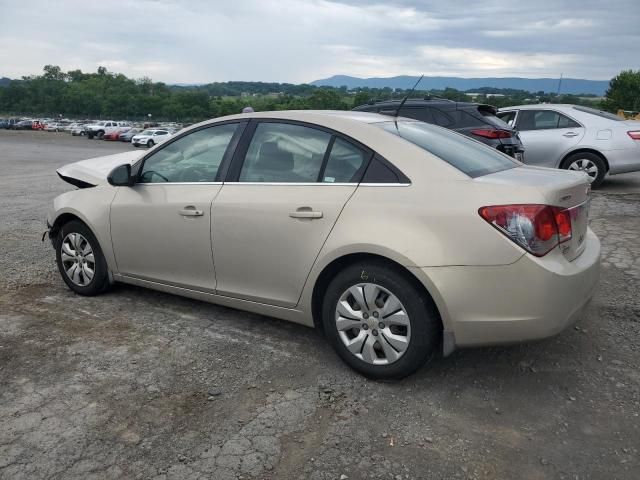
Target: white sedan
{"type": "Point", "coordinates": [150, 137]}
{"type": "Point", "coordinates": [396, 237]}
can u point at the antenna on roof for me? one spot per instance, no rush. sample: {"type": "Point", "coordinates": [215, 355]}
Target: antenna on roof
{"type": "Point", "coordinates": [407, 96]}
{"type": "Point", "coordinates": [559, 84]}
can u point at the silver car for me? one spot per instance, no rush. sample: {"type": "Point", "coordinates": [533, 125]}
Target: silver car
{"type": "Point", "coordinates": [574, 137]}
{"type": "Point", "coordinates": [398, 238]}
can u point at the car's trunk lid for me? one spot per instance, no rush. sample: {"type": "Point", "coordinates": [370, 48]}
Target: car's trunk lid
{"type": "Point", "coordinates": [94, 171]}
{"type": "Point", "coordinates": [559, 188]}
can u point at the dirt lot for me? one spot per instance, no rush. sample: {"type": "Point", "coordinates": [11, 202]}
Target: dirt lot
{"type": "Point", "coordinates": [139, 384]}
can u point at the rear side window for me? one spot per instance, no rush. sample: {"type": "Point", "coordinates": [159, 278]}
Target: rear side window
{"type": "Point", "coordinates": [282, 152]}
{"type": "Point", "coordinates": [345, 163]}
{"type": "Point", "coordinates": [470, 157]}
{"type": "Point", "coordinates": [441, 119]}
{"type": "Point", "coordinates": [464, 119]}
{"type": "Point", "coordinates": [419, 113]}
{"type": "Point", "coordinates": [544, 120]}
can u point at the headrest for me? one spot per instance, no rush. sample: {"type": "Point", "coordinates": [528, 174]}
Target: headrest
{"type": "Point", "coordinates": [272, 157]}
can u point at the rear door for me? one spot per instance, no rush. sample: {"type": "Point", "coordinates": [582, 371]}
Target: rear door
{"type": "Point", "coordinates": [546, 135]}
{"type": "Point", "coordinates": [284, 192]}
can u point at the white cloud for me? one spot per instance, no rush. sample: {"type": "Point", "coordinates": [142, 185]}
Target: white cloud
{"type": "Point", "coordinates": [296, 41]}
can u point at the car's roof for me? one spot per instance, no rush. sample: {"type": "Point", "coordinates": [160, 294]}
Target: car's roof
{"type": "Point", "coordinates": [314, 115]}
{"type": "Point", "coordinates": [418, 102]}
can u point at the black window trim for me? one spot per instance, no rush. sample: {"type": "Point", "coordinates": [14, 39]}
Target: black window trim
{"type": "Point", "coordinates": [138, 167]}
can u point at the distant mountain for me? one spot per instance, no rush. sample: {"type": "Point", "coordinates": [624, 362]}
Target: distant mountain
{"type": "Point", "coordinates": [4, 81]}
{"type": "Point", "coordinates": [569, 85]}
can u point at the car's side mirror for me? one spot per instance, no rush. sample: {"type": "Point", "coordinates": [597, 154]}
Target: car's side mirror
{"type": "Point", "coordinates": [121, 176]}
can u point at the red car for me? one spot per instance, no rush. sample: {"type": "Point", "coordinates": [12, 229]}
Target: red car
{"type": "Point", "coordinates": [115, 135]}
{"type": "Point", "coordinates": [37, 125]}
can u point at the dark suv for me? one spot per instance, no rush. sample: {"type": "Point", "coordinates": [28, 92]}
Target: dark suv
{"type": "Point", "coordinates": [474, 120]}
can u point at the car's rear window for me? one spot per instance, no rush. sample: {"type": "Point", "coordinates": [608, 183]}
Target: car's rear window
{"type": "Point", "coordinates": [599, 113]}
{"type": "Point", "coordinates": [472, 158]}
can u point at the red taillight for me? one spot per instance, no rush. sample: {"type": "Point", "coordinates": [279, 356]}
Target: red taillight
{"type": "Point", "coordinates": [634, 134]}
{"type": "Point", "coordinates": [491, 133]}
{"type": "Point", "coordinates": [563, 221]}
{"type": "Point", "coordinates": [536, 228]}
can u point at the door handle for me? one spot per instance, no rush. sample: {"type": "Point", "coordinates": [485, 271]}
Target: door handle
{"type": "Point", "coordinates": [305, 212]}
{"type": "Point", "coordinates": [570, 134]}
{"type": "Point", "coordinates": [191, 211]}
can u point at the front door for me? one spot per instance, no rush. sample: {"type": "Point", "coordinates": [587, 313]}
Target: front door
{"type": "Point", "coordinates": [546, 136]}
{"type": "Point", "coordinates": [270, 222]}
{"type": "Point", "coordinates": [161, 227]}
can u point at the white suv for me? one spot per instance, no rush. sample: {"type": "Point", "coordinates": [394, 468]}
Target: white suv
{"type": "Point", "coordinates": [150, 137]}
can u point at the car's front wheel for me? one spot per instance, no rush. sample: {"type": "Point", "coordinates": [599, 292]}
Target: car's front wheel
{"type": "Point", "coordinates": [150, 143]}
{"type": "Point", "coordinates": [379, 322]}
{"type": "Point", "coordinates": [80, 259]}
{"type": "Point", "coordinates": [589, 163]}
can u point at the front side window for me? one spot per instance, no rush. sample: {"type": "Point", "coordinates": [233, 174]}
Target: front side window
{"type": "Point", "coordinates": [544, 120]}
{"type": "Point", "coordinates": [281, 152]}
{"type": "Point", "coordinates": [196, 157]}
{"type": "Point", "coordinates": [470, 157]}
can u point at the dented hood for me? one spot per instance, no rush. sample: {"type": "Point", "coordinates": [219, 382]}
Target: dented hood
{"type": "Point", "coordinates": [94, 171]}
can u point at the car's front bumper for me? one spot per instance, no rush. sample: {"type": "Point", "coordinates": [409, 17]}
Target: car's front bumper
{"type": "Point", "coordinates": [530, 299]}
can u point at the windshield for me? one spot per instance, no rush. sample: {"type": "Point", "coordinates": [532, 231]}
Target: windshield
{"type": "Point", "coordinates": [470, 157]}
{"type": "Point", "coordinates": [599, 113]}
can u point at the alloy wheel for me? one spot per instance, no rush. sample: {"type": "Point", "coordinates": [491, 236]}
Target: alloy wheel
{"type": "Point", "coordinates": [373, 324]}
{"type": "Point", "coordinates": [78, 259]}
{"type": "Point", "coordinates": [586, 166]}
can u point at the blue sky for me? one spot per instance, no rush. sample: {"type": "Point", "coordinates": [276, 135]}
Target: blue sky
{"type": "Point", "coordinates": [299, 41]}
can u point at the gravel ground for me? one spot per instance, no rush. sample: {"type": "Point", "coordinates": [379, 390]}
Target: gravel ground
{"type": "Point", "coordinates": [140, 384]}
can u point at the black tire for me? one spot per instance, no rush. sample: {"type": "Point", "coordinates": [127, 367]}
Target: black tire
{"type": "Point", "coordinates": [424, 319]}
{"type": "Point", "coordinates": [90, 135]}
{"type": "Point", "coordinates": [100, 281]}
{"type": "Point", "coordinates": [596, 160]}
{"type": "Point", "coordinates": [100, 135]}
{"type": "Point", "coordinates": [150, 144]}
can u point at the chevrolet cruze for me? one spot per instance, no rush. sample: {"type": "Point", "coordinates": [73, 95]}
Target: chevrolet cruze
{"type": "Point", "coordinates": [398, 238]}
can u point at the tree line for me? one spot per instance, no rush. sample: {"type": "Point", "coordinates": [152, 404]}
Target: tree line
{"type": "Point", "coordinates": [105, 94]}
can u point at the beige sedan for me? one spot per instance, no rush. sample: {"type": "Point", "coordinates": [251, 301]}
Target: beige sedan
{"type": "Point", "coordinates": [398, 238]}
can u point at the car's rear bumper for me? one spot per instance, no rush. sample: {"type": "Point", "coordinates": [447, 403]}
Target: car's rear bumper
{"type": "Point", "coordinates": [624, 160]}
{"type": "Point", "coordinates": [530, 299]}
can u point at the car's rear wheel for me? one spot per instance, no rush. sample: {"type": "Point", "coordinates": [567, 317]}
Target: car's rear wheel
{"type": "Point", "coordinates": [379, 322]}
{"type": "Point", "coordinates": [80, 259]}
{"type": "Point", "coordinates": [589, 163]}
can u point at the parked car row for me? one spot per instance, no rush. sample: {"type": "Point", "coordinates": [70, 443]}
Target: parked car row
{"type": "Point", "coordinates": [570, 137]}
{"type": "Point", "coordinates": [136, 134]}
